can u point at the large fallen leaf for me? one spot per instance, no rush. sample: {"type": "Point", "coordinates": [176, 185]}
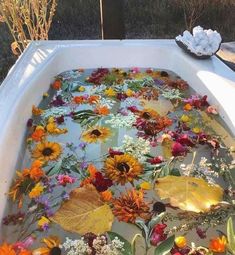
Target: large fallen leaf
{"type": "Point", "coordinates": [84, 212]}
{"type": "Point", "coordinates": [189, 193]}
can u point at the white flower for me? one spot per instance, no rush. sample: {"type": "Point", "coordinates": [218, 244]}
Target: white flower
{"type": "Point", "coordinates": [55, 112]}
{"type": "Point", "coordinates": [119, 120]}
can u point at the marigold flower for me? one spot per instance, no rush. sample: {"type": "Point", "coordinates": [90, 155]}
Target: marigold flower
{"type": "Point", "coordinates": [93, 99]}
{"type": "Point", "coordinates": [188, 107]}
{"type": "Point", "coordinates": [180, 241]}
{"type": "Point", "coordinates": [106, 195]}
{"type": "Point", "coordinates": [102, 110]}
{"type": "Point", "coordinates": [36, 111]}
{"type": "Point", "coordinates": [38, 134]}
{"type": "Point", "coordinates": [218, 244]}
{"type": "Point", "coordinates": [56, 85]}
{"type": "Point", "coordinates": [36, 191]}
{"type": "Point", "coordinates": [7, 249]}
{"type": "Point", "coordinates": [79, 99]}
{"type": "Point", "coordinates": [52, 128]}
{"type": "Point", "coordinates": [129, 92]}
{"type": "Point", "coordinates": [25, 252]}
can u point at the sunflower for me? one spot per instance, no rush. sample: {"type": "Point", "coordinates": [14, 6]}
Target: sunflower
{"type": "Point", "coordinates": [148, 114]}
{"type": "Point", "coordinates": [96, 134]}
{"type": "Point", "coordinates": [122, 168]}
{"type": "Point", "coordinates": [47, 151]}
{"type": "Point", "coordinates": [131, 206]}
{"type": "Point", "coordinates": [52, 247]}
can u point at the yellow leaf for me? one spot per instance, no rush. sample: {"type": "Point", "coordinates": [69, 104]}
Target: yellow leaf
{"type": "Point", "coordinates": [189, 193]}
{"type": "Point", "coordinates": [84, 212]}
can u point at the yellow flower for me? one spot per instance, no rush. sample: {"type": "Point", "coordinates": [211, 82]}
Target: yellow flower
{"type": "Point", "coordinates": [122, 168]}
{"type": "Point", "coordinates": [145, 185]}
{"type": "Point", "coordinates": [43, 221]}
{"type": "Point", "coordinates": [180, 241]}
{"type": "Point", "coordinates": [81, 89]}
{"type": "Point", "coordinates": [45, 95]}
{"type": "Point", "coordinates": [185, 118]}
{"type": "Point", "coordinates": [129, 92]}
{"type": "Point", "coordinates": [96, 134]}
{"type": "Point", "coordinates": [36, 191]}
{"type": "Point", "coordinates": [52, 246]}
{"type": "Point", "coordinates": [110, 92]}
{"type": "Point", "coordinates": [47, 151]}
{"type": "Point", "coordinates": [196, 130]}
{"type": "Point", "coordinates": [36, 111]}
{"type": "Point", "coordinates": [53, 129]}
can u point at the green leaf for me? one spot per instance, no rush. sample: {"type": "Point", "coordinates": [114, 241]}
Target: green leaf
{"type": "Point", "coordinates": [155, 220]}
{"type": "Point", "coordinates": [175, 172]}
{"type": "Point", "coordinates": [55, 169]}
{"type": "Point", "coordinates": [127, 245]}
{"type": "Point", "coordinates": [230, 235]}
{"type": "Point", "coordinates": [65, 86]}
{"type": "Point", "coordinates": [165, 247]}
{"type": "Point", "coordinates": [133, 249]}
{"type": "Point", "coordinates": [141, 224]}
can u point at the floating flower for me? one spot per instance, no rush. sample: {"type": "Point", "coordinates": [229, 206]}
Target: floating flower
{"type": "Point", "coordinates": [122, 168]}
{"type": "Point", "coordinates": [81, 89]}
{"type": "Point", "coordinates": [47, 151]}
{"type": "Point", "coordinates": [196, 130]}
{"type": "Point", "coordinates": [43, 223]}
{"type": "Point", "coordinates": [212, 109]}
{"type": "Point", "coordinates": [110, 92]}
{"type": "Point", "coordinates": [56, 84]}
{"type": "Point", "coordinates": [100, 182]}
{"type": "Point", "coordinates": [185, 118]}
{"type": "Point", "coordinates": [36, 191]}
{"type": "Point", "coordinates": [180, 241]}
{"type": "Point", "coordinates": [102, 110]}
{"type": "Point", "coordinates": [36, 111]}
{"type": "Point", "coordinates": [148, 114]}
{"type": "Point", "coordinates": [129, 92]}
{"type": "Point", "coordinates": [145, 185]}
{"type": "Point", "coordinates": [156, 160]}
{"type": "Point", "coordinates": [79, 99]}
{"type": "Point", "coordinates": [64, 179]}
{"type": "Point", "coordinates": [218, 244]}
{"type": "Point", "coordinates": [178, 149]}
{"type": "Point", "coordinates": [158, 234]}
{"type": "Point", "coordinates": [188, 107]}
{"type": "Point", "coordinates": [130, 206]}
{"type": "Point", "coordinates": [38, 133]}
{"type": "Point", "coordinates": [52, 247]}
{"type": "Point", "coordinates": [106, 195]}
{"type": "Point", "coordinates": [96, 134]}
{"type": "Point", "coordinates": [7, 249]}
{"type": "Point", "coordinates": [52, 128]}
{"type": "Point", "coordinates": [36, 173]}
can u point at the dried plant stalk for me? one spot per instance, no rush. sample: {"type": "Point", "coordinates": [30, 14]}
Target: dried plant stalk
{"type": "Point", "coordinates": [27, 20]}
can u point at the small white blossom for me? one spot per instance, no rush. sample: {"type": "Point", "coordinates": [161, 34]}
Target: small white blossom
{"type": "Point", "coordinates": [120, 121]}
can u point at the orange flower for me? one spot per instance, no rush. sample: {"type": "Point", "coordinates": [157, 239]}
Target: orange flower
{"type": "Point", "coordinates": [79, 99]}
{"type": "Point", "coordinates": [218, 244]}
{"type": "Point", "coordinates": [56, 85]}
{"type": "Point", "coordinates": [131, 206]}
{"type": "Point", "coordinates": [36, 173]}
{"type": "Point", "coordinates": [92, 170]}
{"type": "Point", "coordinates": [7, 249]}
{"type": "Point", "coordinates": [25, 252]}
{"type": "Point", "coordinates": [188, 107]}
{"type": "Point", "coordinates": [36, 111]}
{"type": "Point", "coordinates": [38, 134]}
{"type": "Point", "coordinates": [106, 195]}
{"type": "Point", "coordinates": [93, 99]}
{"type": "Point", "coordinates": [102, 110]}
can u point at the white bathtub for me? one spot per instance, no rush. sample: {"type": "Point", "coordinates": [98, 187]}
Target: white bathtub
{"type": "Point", "coordinates": [35, 69]}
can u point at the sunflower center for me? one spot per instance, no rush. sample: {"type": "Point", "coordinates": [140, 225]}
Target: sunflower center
{"type": "Point", "coordinates": [55, 251]}
{"type": "Point", "coordinates": [159, 207]}
{"type": "Point", "coordinates": [146, 115]}
{"type": "Point", "coordinates": [96, 132]}
{"type": "Point", "coordinates": [123, 167]}
{"type": "Point", "coordinates": [47, 152]}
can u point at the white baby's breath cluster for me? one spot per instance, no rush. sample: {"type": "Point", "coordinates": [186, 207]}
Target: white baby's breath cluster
{"type": "Point", "coordinates": [120, 121]}
{"type": "Point", "coordinates": [76, 247]}
{"type": "Point", "coordinates": [100, 245]}
{"type": "Point", "coordinates": [55, 112]}
{"type": "Point", "coordinates": [201, 170]}
{"type": "Point", "coordinates": [106, 102]}
{"type": "Point", "coordinates": [201, 42]}
{"type": "Point", "coordinates": [138, 148]}
{"type": "Point", "coordinates": [172, 94]}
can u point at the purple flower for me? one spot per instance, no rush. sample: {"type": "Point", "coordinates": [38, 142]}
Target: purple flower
{"type": "Point", "coordinates": [58, 101]}
{"type": "Point", "coordinates": [84, 165]}
{"type": "Point", "coordinates": [201, 233]}
{"type": "Point", "coordinates": [65, 196]}
{"type": "Point", "coordinates": [82, 145]}
{"type": "Point", "coordinates": [29, 123]}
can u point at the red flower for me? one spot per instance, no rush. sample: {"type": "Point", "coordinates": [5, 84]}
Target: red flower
{"type": "Point", "coordinates": [156, 160]}
{"type": "Point", "coordinates": [98, 75]}
{"type": "Point", "coordinates": [178, 149]}
{"type": "Point", "coordinates": [101, 183]}
{"type": "Point", "coordinates": [112, 152]}
{"type": "Point", "coordinates": [158, 234]}
{"type": "Point", "coordinates": [184, 139]}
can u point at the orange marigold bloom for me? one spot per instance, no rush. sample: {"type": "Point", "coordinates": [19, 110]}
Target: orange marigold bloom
{"type": "Point", "coordinates": [38, 134]}
{"type": "Point", "coordinates": [131, 206]}
{"type": "Point", "coordinates": [93, 99]}
{"type": "Point", "coordinates": [7, 249]}
{"type": "Point", "coordinates": [218, 244]}
{"type": "Point", "coordinates": [79, 99]}
{"type": "Point", "coordinates": [106, 195]}
{"type": "Point", "coordinates": [36, 173]}
{"type": "Point", "coordinates": [188, 107]}
{"type": "Point", "coordinates": [92, 170]}
{"type": "Point", "coordinates": [56, 84]}
{"type": "Point", "coordinates": [25, 252]}
{"type": "Point", "coordinates": [102, 110]}
{"type": "Point", "coordinates": [36, 111]}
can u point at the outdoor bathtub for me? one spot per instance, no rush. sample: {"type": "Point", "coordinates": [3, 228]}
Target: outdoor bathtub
{"type": "Point", "coordinates": [32, 74]}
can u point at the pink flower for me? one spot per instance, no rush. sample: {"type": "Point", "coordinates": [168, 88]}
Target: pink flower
{"type": "Point", "coordinates": [184, 139]}
{"type": "Point", "coordinates": [24, 244]}
{"type": "Point", "coordinates": [64, 179]}
{"type": "Point", "coordinates": [158, 234]}
{"type": "Point", "coordinates": [212, 109]}
{"type": "Point", "coordinates": [178, 149]}
{"type": "Point", "coordinates": [135, 70]}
